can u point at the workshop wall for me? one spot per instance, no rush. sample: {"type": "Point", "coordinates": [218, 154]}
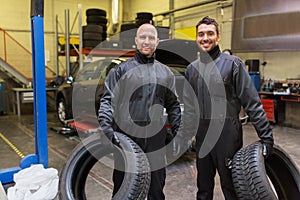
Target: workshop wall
{"type": "Point", "coordinates": [280, 65]}
{"type": "Point", "coordinates": [185, 20]}
{"type": "Point", "coordinates": [15, 19]}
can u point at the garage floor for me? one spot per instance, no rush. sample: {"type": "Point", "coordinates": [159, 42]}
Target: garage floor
{"type": "Point", "coordinates": [181, 175]}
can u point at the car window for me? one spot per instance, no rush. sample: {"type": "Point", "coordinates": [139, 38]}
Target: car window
{"type": "Point", "coordinates": [87, 72]}
{"type": "Point", "coordinates": [98, 69]}
{"type": "Point", "coordinates": [178, 70]}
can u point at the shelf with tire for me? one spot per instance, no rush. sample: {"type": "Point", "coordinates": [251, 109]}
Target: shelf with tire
{"type": "Point", "coordinates": [128, 30]}
{"type": "Point", "coordinates": [93, 39]}
{"type": "Point", "coordinates": [74, 44]}
{"type": "Point", "coordinates": [95, 31]}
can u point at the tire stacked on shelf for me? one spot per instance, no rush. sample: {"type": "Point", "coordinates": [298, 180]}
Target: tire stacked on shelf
{"type": "Point", "coordinates": [96, 29]}
{"type": "Point", "coordinates": [163, 32]}
{"type": "Point", "coordinates": [128, 31]}
{"type": "Point", "coordinates": [143, 17]}
{"type": "Point", "coordinates": [127, 35]}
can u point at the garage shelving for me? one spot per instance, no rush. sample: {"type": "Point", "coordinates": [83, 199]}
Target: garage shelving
{"type": "Point", "coordinates": [77, 42]}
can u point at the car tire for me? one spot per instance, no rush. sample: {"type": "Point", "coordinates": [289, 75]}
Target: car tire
{"type": "Point", "coordinates": [96, 20]}
{"type": "Point", "coordinates": [129, 26]}
{"type": "Point", "coordinates": [85, 155]}
{"type": "Point", "coordinates": [255, 178]}
{"type": "Point", "coordinates": [92, 36]}
{"type": "Point", "coordinates": [92, 28]}
{"type": "Point", "coordinates": [62, 113]}
{"type": "Point", "coordinates": [144, 15]}
{"type": "Point", "coordinates": [90, 44]}
{"type": "Point", "coordinates": [95, 11]}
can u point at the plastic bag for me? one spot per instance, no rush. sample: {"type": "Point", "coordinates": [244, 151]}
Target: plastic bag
{"type": "Point", "coordinates": [34, 183]}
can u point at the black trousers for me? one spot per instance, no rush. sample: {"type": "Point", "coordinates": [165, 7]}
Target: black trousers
{"type": "Point", "coordinates": [224, 148]}
{"type": "Point", "coordinates": [158, 178]}
{"type": "Point", "coordinates": [156, 161]}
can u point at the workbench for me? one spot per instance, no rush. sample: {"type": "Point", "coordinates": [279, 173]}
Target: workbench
{"type": "Point", "coordinates": [24, 95]}
{"type": "Point", "coordinates": [285, 106]}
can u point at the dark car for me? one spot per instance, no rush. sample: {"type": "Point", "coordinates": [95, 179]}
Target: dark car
{"type": "Point", "coordinates": [79, 98]}
{"type": "Point", "coordinates": [176, 54]}
{"type": "Point", "coordinates": [93, 74]}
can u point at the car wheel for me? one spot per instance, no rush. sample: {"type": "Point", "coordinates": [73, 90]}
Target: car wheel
{"type": "Point", "coordinates": [255, 178]}
{"type": "Point", "coordinates": [73, 177]}
{"type": "Point", "coordinates": [62, 112]}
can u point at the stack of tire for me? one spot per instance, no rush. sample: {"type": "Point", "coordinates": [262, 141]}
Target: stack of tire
{"type": "Point", "coordinates": [163, 32]}
{"type": "Point", "coordinates": [143, 17]}
{"type": "Point", "coordinates": [146, 17]}
{"type": "Point", "coordinates": [96, 29]}
{"type": "Point", "coordinates": [128, 30]}
{"type": "Point", "coordinates": [127, 35]}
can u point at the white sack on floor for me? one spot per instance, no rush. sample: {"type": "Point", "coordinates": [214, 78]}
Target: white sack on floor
{"type": "Point", "coordinates": [34, 183]}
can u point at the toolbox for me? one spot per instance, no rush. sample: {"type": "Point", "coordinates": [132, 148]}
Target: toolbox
{"type": "Point", "coordinates": [269, 107]}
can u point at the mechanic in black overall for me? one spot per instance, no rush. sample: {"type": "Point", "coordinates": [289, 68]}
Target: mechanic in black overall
{"type": "Point", "coordinates": [222, 85]}
{"type": "Point", "coordinates": [139, 84]}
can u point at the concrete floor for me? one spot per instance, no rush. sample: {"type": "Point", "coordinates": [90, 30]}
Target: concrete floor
{"type": "Point", "coordinates": [181, 175]}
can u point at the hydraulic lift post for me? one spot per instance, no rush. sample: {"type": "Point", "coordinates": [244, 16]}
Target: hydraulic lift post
{"type": "Point", "coordinates": [39, 90]}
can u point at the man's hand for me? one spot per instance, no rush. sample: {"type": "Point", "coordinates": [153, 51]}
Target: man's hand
{"type": "Point", "coordinates": [169, 137]}
{"type": "Point", "coordinates": [113, 138]}
{"type": "Point", "coordinates": [267, 148]}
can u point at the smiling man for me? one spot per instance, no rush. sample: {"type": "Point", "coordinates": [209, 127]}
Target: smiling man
{"type": "Point", "coordinates": [136, 92]}
{"type": "Point", "coordinates": [222, 86]}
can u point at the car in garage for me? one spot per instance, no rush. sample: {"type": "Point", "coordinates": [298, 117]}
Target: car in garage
{"type": "Point", "coordinates": [93, 74]}
{"type": "Point", "coordinates": [78, 98]}
{"type": "Point", "coordinates": [175, 53]}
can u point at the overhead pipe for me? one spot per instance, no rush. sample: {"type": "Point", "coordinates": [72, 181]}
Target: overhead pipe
{"type": "Point", "coordinates": [187, 7]}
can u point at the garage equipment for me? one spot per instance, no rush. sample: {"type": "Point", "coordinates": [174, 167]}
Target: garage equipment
{"type": "Point", "coordinates": [39, 90]}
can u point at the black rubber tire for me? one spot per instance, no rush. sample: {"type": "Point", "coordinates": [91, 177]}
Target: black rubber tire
{"type": "Point", "coordinates": [77, 167]}
{"type": "Point", "coordinates": [95, 11]}
{"type": "Point", "coordinates": [90, 43]}
{"type": "Point", "coordinates": [96, 20]}
{"type": "Point", "coordinates": [258, 179]}
{"type": "Point", "coordinates": [145, 15]}
{"type": "Point", "coordinates": [163, 32]}
{"type": "Point", "coordinates": [125, 27]}
{"type": "Point", "coordinates": [142, 21]}
{"type": "Point", "coordinates": [104, 26]}
{"type": "Point", "coordinates": [92, 36]}
{"type": "Point", "coordinates": [284, 174]}
{"type": "Point", "coordinates": [92, 28]}
{"type": "Point", "coordinates": [62, 112]}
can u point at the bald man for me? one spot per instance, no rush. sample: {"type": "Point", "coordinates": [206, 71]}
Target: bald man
{"type": "Point", "coordinates": [143, 82]}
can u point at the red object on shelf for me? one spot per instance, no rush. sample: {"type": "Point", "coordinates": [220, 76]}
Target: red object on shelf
{"type": "Point", "coordinates": [269, 107]}
{"type": "Point", "coordinates": [291, 98]}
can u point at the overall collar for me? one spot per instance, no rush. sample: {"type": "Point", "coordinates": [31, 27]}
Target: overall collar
{"type": "Point", "coordinates": [142, 58]}
{"type": "Point", "coordinates": [211, 55]}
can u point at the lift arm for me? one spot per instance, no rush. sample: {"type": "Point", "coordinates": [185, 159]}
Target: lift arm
{"type": "Point", "coordinates": [39, 90]}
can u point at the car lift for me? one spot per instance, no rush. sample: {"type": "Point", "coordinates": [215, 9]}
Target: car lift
{"type": "Point", "coordinates": [78, 128]}
{"type": "Point", "coordinates": [39, 89]}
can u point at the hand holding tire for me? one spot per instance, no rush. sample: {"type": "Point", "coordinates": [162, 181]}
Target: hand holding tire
{"type": "Point", "coordinates": [267, 148]}
{"type": "Point", "coordinates": [257, 178]}
{"type": "Point", "coordinates": [113, 138]}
